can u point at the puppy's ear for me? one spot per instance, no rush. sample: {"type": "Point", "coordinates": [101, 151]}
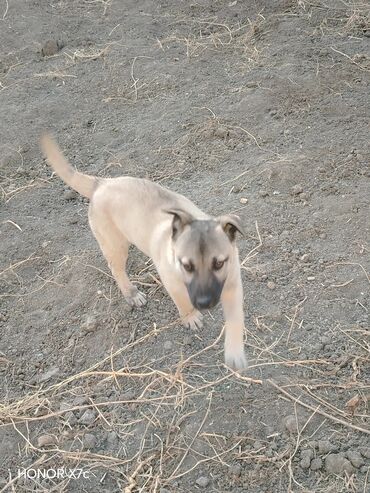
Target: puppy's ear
{"type": "Point", "coordinates": [231, 224]}
{"type": "Point", "coordinates": [180, 220]}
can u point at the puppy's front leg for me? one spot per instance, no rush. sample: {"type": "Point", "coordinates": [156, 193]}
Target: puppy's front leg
{"type": "Point", "coordinates": [232, 304]}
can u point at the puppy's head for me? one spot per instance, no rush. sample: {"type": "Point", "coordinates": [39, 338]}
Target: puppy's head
{"type": "Point", "coordinates": [203, 251]}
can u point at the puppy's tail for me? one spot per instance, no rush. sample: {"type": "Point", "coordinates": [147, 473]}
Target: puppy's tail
{"type": "Point", "coordinates": [83, 184]}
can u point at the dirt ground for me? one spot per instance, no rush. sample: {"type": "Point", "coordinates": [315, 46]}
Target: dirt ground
{"type": "Point", "coordinates": [260, 108]}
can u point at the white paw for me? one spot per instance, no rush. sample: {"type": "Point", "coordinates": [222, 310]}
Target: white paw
{"type": "Point", "coordinates": [235, 358]}
{"type": "Point", "coordinates": [193, 321]}
{"type": "Point", "coordinates": [136, 298]}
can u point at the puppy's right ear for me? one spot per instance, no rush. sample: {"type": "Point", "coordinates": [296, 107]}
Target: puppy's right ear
{"type": "Point", "coordinates": [180, 220]}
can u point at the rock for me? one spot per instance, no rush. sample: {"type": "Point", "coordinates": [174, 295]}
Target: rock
{"type": "Point", "coordinates": [325, 447]}
{"type": "Point", "coordinates": [90, 324]}
{"type": "Point", "coordinates": [202, 481]}
{"type": "Point", "coordinates": [70, 195]}
{"type": "Point", "coordinates": [164, 490]}
{"type": "Point", "coordinates": [306, 456]}
{"type": "Point", "coordinates": [296, 190]}
{"type": "Point", "coordinates": [355, 458]}
{"type": "Point", "coordinates": [243, 200]}
{"type": "Point", "coordinates": [89, 441]}
{"type": "Point", "coordinates": [51, 47]}
{"type": "Point", "coordinates": [188, 340]}
{"type": "Point", "coordinates": [236, 470]}
{"type": "Point", "coordinates": [80, 400]}
{"type": "Point", "coordinates": [70, 418]}
{"type": "Point", "coordinates": [263, 193]}
{"type": "Point", "coordinates": [337, 464]}
{"type": "Point", "coordinates": [44, 377]}
{"type": "Point", "coordinates": [364, 469]}
{"type": "Point", "coordinates": [45, 440]}
{"type": "Point", "coordinates": [311, 278]}
{"type": "Point", "coordinates": [290, 424]}
{"type": "Point", "coordinates": [168, 345]}
{"type": "Point", "coordinates": [271, 285]}
{"type": "Point", "coordinates": [88, 417]}
{"type": "Point", "coordinates": [316, 464]}
{"type": "Point", "coordinates": [365, 451]}
{"type": "Point", "coordinates": [306, 257]}
{"type": "Point", "coordinates": [112, 438]}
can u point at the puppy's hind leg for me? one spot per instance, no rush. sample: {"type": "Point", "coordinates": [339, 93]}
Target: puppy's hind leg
{"type": "Point", "coordinates": [114, 247]}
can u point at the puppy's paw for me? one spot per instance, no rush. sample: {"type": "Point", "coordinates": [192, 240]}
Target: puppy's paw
{"type": "Point", "coordinates": [193, 321]}
{"type": "Point", "coordinates": [235, 358]}
{"type": "Point", "coordinates": [136, 298]}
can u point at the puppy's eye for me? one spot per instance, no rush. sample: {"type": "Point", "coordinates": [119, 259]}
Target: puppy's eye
{"type": "Point", "coordinates": [188, 267]}
{"type": "Point", "coordinates": [218, 264]}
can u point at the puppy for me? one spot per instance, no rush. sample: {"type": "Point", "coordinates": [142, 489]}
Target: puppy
{"type": "Point", "coordinates": [195, 254]}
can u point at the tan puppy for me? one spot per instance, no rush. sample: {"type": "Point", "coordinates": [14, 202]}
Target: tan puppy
{"type": "Point", "coordinates": [195, 254]}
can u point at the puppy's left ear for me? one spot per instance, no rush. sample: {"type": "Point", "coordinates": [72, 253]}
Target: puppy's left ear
{"type": "Point", "coordinates": [231, 224]}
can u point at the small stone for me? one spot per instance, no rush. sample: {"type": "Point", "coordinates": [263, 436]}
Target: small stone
{"type": "Point", "coordinates": [364, 469]}
{"type": "Point", "coordinates": [51, 47]}
{"type": "Point", "coordinates": [263, 193]}
{"type": "Point", "coordinates": [88, 417]}
{"type": "Point", "coordinates": [243, 200]}
{"type": "Point", "coordinates": [257, 445]}
{"type": "Point", "coordinates": [355, 458]}
{"type": "Point", "coordinates": [188, 340]}
{"type": "Point", "coordinates": [164, 490]}
{"type": "Point", "coordinates": [168, 345]}
{"type": "Point", "coordinates": [45, 440]}
{"type": "Point", "coordinates": [202, 481]}
{"type": "Point", "coordinates": [80, 400]}
{"type": "Point", "coordinates": [90, 324]}
{"type": "Point", "coordinates": [325, 447]}
{"type": "Point", "coordinates": [311, 278]}
{"type": "Point", "coordinates": [337, 464]}
{"type": "Point", "coordinates": [365, 451]}
{"type": "Point", "coordinates": [89, 441]}
{"type": "Point", "coordinates": [296, 190]}
{"type": "Point", "coordinates": [70, 418]}
{"type": "Point", "coordinates": [44, 377]}
{"type": "Point", "coordinates": [290, 423]}
{"type": "Point", "coordinates": [271, 285]}
{"type": "Point", "coordinates": [316, 464]}
{"type": "Point", "coordinates": [306, 458]}
{"type": "Point", "coordinates": [236, 470]}
{"type": "Point", "coordinates": [112, 437]}
{"type": "Point", "coordinates": [70, 195]}
{"type": "Point", "coordinates": [306, 258]}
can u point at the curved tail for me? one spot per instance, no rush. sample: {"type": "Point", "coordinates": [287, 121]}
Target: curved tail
{"type": "Point", "coordinates": [83, 184]}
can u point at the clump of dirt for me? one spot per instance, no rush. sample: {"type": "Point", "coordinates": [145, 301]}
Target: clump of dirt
{"type": "Point", "coordinates": [260, 110]}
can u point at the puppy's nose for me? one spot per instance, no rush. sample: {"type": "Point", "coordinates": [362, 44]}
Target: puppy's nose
{"type": "Point", "coordinates": [203, 302]}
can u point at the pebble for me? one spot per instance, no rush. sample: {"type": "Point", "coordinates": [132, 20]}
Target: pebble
{"type": "Point", "coordinates": [236, 470]}
{"type": "Point", "coordinates": [112, 437]}
{"type": "Point", "coordinates": [80, 400]}
{"type": "Point", "coordinates": [355, 458]}
{"type": "Point", "coordinates": [337, 464]}
{"type": "Point", "coordinates": [90, 324]}
{"type": "Point", "coordinates": [188, 340]}
{"type": "Point", "coordinates": [44, 377]}
{"type": "Point", "coordinates": [89, 441]}
{"type": "Point", "coordinates": [168, 345]}
{"type": "Point", "coordinates": [296, 190]}
{"type": "Point", "coordinates": [271, 285]}
{"type": "Point", "coordinates": [306, 456]}
{"type": "Point", "coordinates": [70, 195]}
{"type": "Point", "coordinates": [45, 440]}
{"type": "Point", "coordinates": [51, 47]}
{"type": "Point", "coordinates": [311, 278]}
{"type": "Point", "coordinates": [325, 447]}
{"type": "Point", "coordinates": [70, 418]}
{"type": "Point", "coordinates": [243, 200]}
{"type": "Point", "coordinates": [306, 257]}
{"type": "Point", "coordinates": [88, 417]}
{"type": "Point", "coordinates": [263, 193]}
{"type": "Point", "coordinates": [290, 423]}
{"type": "Point", "coordinates": [316, 464]}
{"type": "Point", "coordinates": [202, 481]}
{"type": "Point", "coordinates": [365, 451]}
